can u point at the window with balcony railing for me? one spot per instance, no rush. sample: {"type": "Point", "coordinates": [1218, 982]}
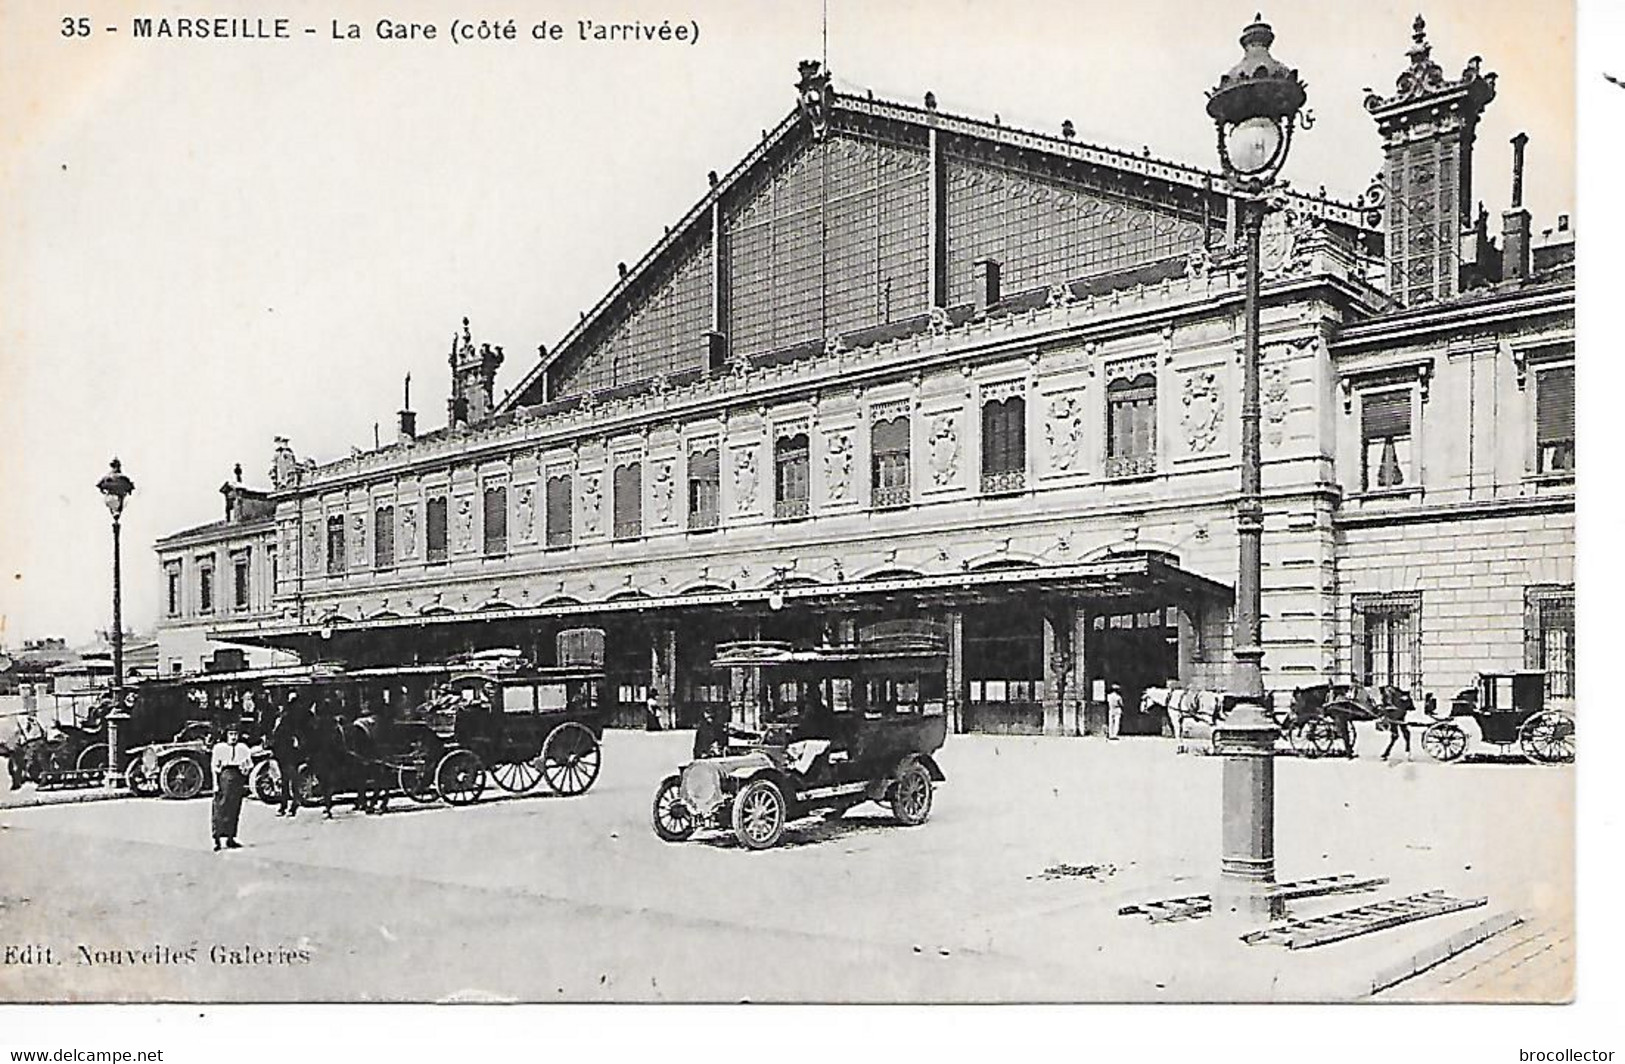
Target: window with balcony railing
{"type": "Point", "coordinates": [495, 525]}
{"type": "Point", "coordinates": [434, 529]}
{"type": "Point", "coordinates": [704, 491]}
{"type": "Point", "coordinates": [889, 451]}
{"type": "Point", "coordinates": [628, 500]}
{"type": "Point", "coordinates": [791, 480]}
{"type": "Point", "coordinates": [1131, 426]}
{"type": "Point", "coordinates": [335, 545]}
{"type": "Point", "coordinates": [1004, 445]}
{"type": "Point", "coordinates": [560, 510]}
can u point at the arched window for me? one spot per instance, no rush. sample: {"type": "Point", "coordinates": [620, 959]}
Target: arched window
{"type": "Point", "coordinates": [629, 500]}
{"type": "Point", "coordinates": [888, 447]}
{"type": "Point", "coordinates": [560, 511]}
{"type": "Point", "coordinates": [496, 519]}
{"type": "Point", "coordinates": [790, 477]}
{"type": "Point", "coordinates": [704, 481]}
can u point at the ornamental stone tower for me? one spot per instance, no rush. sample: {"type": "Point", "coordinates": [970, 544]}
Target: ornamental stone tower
{"type": "Point", "coordinates": [1428, 126]}
{"type": "Point", "coordinates": [473, 380]}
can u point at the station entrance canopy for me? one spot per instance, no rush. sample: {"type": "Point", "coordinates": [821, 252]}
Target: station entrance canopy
{"type": "Point", "coordinates": [1128, 580]}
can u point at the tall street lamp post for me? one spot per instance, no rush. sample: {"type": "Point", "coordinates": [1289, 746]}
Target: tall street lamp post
{"type": "Point", "coordinates": [1254, 107]}
{"type": "Point", "coordinates": [116, 488]}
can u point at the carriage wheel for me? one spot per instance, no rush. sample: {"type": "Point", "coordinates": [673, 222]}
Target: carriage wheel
{"type": "Point", "coordinates": [309, 786]}
{"type": "Point", "coordinates": [1547, 738]}
{"type": "Point", "coordinates": [265, 783]}
{"type": "Point", "coordinates": [182, 778]}
{"type": "Point", "coordinates": [570, 759]}
{"type": "Point", "coordinates": [1444, 741]}
{"type": "Point", "coordinates": [673, 820]}
{"type": "Point", "coordinates": [516, 777]}
{"type": "Point", "coordinates": [1322, 736]}
{"type": "Point", "coordinates": [460, 777]}
{"type": "Point", "coordinates": [1299, 736]}
{"type": "Point", "coordinates": [93, 762]}
{"type": "Point", "coordinates": [759, 815]}
{"type": "Point", "coordinates": [417, 783]}
{"type": "Point", "coordinates": [911, 795]}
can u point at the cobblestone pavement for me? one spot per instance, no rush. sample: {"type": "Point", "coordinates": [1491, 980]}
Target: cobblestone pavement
{"type": "Point", "coordinates": [1009, 892]}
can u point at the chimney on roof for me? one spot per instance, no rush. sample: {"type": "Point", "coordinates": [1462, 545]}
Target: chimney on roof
{"type": "Point", "coordinates": [1515, 242]}
{"type": "Point", "coordinates": [406, 423]}
{"type": "Point", "coordinates": [985, 283]}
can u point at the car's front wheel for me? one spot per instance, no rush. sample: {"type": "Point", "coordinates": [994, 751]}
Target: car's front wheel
{"type": "Point", "coordinates": [911, 795]}
{"type": "Point", "coordinates": [674, 821]}
{"type": "Point", "coordinates": [760, 814]}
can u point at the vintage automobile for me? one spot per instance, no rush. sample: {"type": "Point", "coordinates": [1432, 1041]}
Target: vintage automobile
{"type": "Point", "coordinates": [823, 729]}
{"type": "Point", "coordinates": [1506, 709]}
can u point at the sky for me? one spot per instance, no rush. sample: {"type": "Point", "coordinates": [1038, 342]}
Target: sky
{"type": "Point", "coordinates": [206, 244]}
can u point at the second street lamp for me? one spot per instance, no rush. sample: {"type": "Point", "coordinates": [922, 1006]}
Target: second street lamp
{"type": "Point", "coordinates": [1254, 107]}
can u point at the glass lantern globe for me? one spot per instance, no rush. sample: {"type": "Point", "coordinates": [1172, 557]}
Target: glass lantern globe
{"type": "Point", "coordinates": [1253, 145]}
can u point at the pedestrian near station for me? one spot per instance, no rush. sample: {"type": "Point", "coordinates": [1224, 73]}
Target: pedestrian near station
{"type": "Point", "coordinates": [1114, 711]}
{"type": "Point", "coordinates": [230, 761]}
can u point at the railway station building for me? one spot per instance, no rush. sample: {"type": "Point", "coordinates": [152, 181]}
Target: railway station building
{"type": "Point", "coordinates": [902, 363]}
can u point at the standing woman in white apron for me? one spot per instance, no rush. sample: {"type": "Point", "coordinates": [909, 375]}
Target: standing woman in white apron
{"type": "Point", "coordinates": [230, 761]}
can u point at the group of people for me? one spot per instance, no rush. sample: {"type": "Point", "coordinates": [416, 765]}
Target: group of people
{"type": "Point", "coordinates": [296, 738]}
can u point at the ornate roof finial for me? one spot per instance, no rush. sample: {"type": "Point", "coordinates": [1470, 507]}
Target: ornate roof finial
{"type": "Point", "coordinates": [813, 95]}
{"type": "Point", "coordinates": [1068, 130]}
{"type": "Point", "coordinates": [930, 101]}
{"type": "Point", "coordinates": [237, 472]}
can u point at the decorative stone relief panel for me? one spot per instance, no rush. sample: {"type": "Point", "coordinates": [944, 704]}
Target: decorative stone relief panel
{"type": "Point", "coordinates": [358, 541]}
{"type": "Point", "coordinates": [745, 477]}
{"type": "Point", "coordinates": [838, 466]}
{"type": "Point", "coordinates": [524, 513]}
{"type": "Point", "coordinates": [663, 491]}
{"type": "Point", "coordinates": [1203, 418]}
{"type": "Point", "coordinates": [592, 504]}
{"type": "Point", "coordinates": [1064, 429]}
{"type": "Point", "coordinates": [464, 524]}
{"type": "Point", "coordinates": [1275, 387]}
{"type": "Point", "coordinates": [409, 531]}
{"type": "Point", "coordinates": [942, 449]}
{"type": "Point", "coordinates": [313, 547]}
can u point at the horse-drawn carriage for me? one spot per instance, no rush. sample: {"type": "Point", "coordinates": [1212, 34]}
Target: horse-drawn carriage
{"type": "Point", "coordinates": [64, 755]}
{"type": "Point", "coordinates": [839, 726]}
{"type": "Point", "coordinates": [1320, 720]}
{"type": "Point", "coordinates": [490, 715]}
{"type": "Point", "coordinates": [1506, 710]}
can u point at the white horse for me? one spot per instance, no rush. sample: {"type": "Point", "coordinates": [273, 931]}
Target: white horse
{"type": "Point", "coordinates": [1184, 707]}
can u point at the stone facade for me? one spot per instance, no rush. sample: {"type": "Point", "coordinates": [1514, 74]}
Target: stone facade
{"type": "Point", "coordinates": [1050, 473]}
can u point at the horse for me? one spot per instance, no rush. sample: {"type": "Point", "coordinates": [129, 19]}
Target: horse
{"type": "Point", "coordinates": [1345, 704]}
{"type": "Point", "coordinates": [1183, 707]}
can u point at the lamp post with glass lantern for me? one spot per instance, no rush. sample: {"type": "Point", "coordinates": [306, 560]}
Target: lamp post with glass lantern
{"type": "Point", "coordinates": [116, 488]}
{"type": "Point", "coordinates": [1254, 107]}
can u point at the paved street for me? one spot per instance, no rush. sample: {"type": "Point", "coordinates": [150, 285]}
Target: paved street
{"type": "Point", "coordinates": [576, 899]}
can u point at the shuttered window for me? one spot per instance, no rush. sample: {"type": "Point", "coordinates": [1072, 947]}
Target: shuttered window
{"type": "Point", "coordinates": [495, 524]}
{"type": "Point", "coordinates": [1004, 445]}
{"type": "Point", "coordinates": [560, 513]}
{"type": "Point", "coordinates": [1131, 426]}
{"type": "Point", "coordinates": [889, 450]}
{"type": "Point", "coordinates": [629, 501]}
{"type": "Point", "coordinates": [1385, 435]}
{"type": "Point", "coordinates": [704, 481]}
{"type": "Point", "coordinates": [383, 537]}
{"type": "Point", "coordinates": [434, 529]}
{"type": "Point", "coordinates": [790, 477]}
{"type": "Point", "coordinates": [1554, 420]}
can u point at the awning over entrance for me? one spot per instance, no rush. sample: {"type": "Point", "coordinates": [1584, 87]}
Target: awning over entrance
{"type": "Point", "coordinates": [1140, 576]}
